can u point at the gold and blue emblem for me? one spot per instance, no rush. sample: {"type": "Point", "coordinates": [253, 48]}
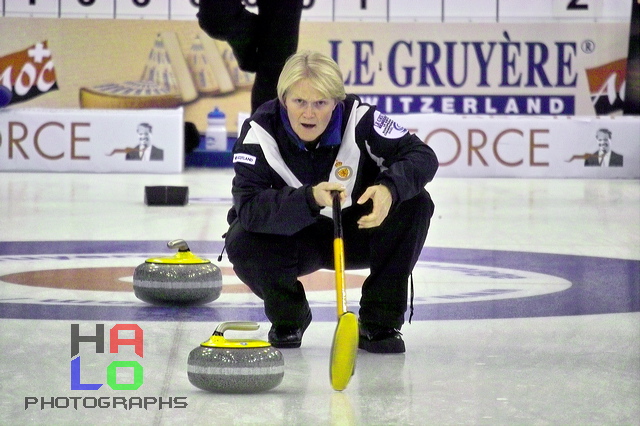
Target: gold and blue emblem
{"type": "Point", "coordinates": [342, 172]}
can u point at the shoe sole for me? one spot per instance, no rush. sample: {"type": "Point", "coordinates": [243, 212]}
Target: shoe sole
{"type": "Point", "coordinates": [392, 345]}
{"type": "Point", "coordinates": [289, 345]}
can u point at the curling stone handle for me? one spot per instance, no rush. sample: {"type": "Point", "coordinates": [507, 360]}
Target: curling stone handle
{"type": "Point", "coordinates": [236, 325]}
{"type": "Point", "coordinates": [181, 245]}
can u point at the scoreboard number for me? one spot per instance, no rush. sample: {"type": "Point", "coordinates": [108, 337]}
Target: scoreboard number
{"type": "Point", "coordinates": [577, 5]}
{"type": "Point", "coordinates": [86, 8]}
{"type": "Point", "coordinates": [142, 9]}
{"type": "Point", "coordinates": [578, 9]}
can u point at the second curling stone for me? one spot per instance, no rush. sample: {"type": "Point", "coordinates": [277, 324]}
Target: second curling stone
{"type": "Point", "coordinates": [184, 279]}
{"type": "Point", "coordinates": [235, 365]}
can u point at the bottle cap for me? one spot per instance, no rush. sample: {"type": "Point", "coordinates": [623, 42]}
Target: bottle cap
{"type": "Point", "coordinates": [216, 113]}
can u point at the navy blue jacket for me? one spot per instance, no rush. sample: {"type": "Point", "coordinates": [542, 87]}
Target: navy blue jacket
{"type": "Point", "coordinates": [274, 173]}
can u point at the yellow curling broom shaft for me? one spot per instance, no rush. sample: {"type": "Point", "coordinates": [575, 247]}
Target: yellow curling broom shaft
{"type": "Point", "coordinates": [345, 338]}
{"type": "Point", "coordinates": [338, 255]}
{"type": "Point", "coordinates": [341, 294]}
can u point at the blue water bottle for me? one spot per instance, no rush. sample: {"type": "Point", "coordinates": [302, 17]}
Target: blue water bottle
{"type": "Point", "coordinates": [216, 134]}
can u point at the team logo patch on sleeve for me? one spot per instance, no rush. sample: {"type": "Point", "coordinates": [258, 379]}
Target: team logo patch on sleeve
{"type": "Point", "coordinates": [244, 158]}
{"type": "Point", "coordinates": [386, 127]}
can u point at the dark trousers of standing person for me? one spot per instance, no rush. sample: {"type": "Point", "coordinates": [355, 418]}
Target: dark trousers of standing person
{"type": "Point", "coordinates": [271, 264]}
{"type": "Point", "coordinates": [261, 43]}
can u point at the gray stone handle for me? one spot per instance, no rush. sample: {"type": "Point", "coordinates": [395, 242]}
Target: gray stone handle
{"type": "Point", "coordinates": [181, 245]}
{"type": "Point", "coordinates": [236, 325]}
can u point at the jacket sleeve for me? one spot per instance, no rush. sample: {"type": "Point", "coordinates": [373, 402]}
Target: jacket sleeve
{"type": "Point", "coordinates": [407, 164]}
{"type": "Point", "coordinates": [262, 200]}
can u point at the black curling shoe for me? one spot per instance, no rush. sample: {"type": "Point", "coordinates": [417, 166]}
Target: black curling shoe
{"type": "Point", "coordinates": [380, 340]}
{"type": "Point", "coordinates": [288, 337]}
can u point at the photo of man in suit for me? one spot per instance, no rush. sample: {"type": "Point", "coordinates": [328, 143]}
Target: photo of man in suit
{"type": "Point", "coordinates": [144, 151]}
{"type": "Point", "coordinates": [604, 157]}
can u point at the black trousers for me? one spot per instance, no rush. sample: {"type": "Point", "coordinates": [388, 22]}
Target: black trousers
{"type": "Point", "coordinates": [271, 264]}
{"type": "Point", "coordinates": [261, 43]}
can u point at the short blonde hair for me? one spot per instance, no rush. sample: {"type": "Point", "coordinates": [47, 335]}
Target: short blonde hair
{"type": "Point", "coordinates": [321, 71]}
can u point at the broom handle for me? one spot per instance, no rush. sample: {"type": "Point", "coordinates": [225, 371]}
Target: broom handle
{"type": "Point", "coordinates": [338, 254]}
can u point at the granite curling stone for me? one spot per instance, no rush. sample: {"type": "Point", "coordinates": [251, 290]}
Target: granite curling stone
{"type": "Point", "coordinates": [183, 279]}
{"type": "Point", "coordinates": [235, 365]}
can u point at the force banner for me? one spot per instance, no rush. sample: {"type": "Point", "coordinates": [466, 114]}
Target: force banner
{"type": "Point", "coordinates": [453, 68]}
{"type": "Point", "coordinates": [530, 147]}
{"type": "Point", "coordinates": [60, 140]}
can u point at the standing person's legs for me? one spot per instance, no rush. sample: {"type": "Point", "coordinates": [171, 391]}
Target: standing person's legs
{"type": "Point", "coordinates": [228, 20]}
{"type": "Point", "coordinates": [277, 32]}
{"type": "Point", "coordinates": [261, 42]}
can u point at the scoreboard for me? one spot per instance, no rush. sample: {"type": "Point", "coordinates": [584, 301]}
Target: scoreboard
{"type": "Point", "coordinates": [342, 10]}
